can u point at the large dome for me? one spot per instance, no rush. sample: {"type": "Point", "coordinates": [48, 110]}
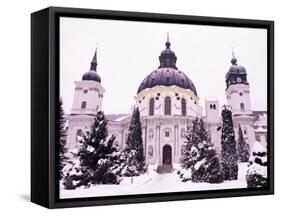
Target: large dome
{"type": "Point", "coordinates": [167, 74]}
{"type": "Point", "coordinates": [167, 77]}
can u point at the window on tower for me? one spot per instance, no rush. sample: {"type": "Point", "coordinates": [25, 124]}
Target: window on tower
{"type": "Point", "coordinates": [83, 105]}
{"type": "Point", "coordinates": [151, 106]}
{"type": "Point", "coordinates": [242, 107]}
{"type": "Point", "coordinates": [214, 106]}
{"type": "Point", "coordinates": [183, 107]}
{"type": "Point", "coordinates": [167, 106]}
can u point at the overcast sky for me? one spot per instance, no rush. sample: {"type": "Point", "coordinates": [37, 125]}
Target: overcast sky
{"type": "Point", "coordinates": [128, 52]}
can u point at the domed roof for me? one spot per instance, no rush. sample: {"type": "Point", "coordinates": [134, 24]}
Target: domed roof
{"type": "Point", "coordinates": [235, 68]}
{"type": "Point", "coordinates": [92, 73]}
{"type": "Point", "coordinates": [167, 73]}
{"type": "Point", "coordinates": [167, 77]}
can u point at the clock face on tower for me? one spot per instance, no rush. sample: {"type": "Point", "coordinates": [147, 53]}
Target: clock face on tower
{"type": "Point", "coordinates": [239, 80]}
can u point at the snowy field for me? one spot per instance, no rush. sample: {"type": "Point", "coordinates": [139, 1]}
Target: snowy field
{"type": "Point", "coordinates": [154, 183]}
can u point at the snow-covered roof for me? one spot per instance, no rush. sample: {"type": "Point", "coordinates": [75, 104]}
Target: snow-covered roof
{"type": "Point", "coordinates": [260, 117]}
{"type": "Point", "coordinates": [258, 147]}
{"type": "Point", "coordinates": [116, 117]}
{"type": "Point", "coordinates": [211, 98]}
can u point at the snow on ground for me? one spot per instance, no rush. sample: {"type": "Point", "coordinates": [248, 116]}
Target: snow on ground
{"type": "Point", "coordinates": [154, 183]}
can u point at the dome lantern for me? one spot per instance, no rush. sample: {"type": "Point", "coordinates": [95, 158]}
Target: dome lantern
{"type": "Point", "coordinates": [167, 57]}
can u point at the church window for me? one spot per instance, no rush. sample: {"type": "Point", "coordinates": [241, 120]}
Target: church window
{"type": "Point", "coordinates": [191, 98]}
{"type": "Point", "coordinates": [178, 98]}
{"type": "Point", "coordinates": [167, 105]}
{"type": "Point", "coordinates": [157, 98]}
{"type": "Point", "coordinates": [195, 102]}
{"type": "Point", "coordinates": [241, 94]}
{"type": "Point", "coordinates": [245, 131]}
{"type": "Point", "coordinates": [211, 106]}
{"type": "Point", "coordinates": [150, 150]}
{"type": "Point", "coordinates": [182, 132]}
{"type": "Point", "coordinates": [183, 107]}
{"type": "Point", "coordinates": [83, 105]}
{"type": "Point", "coordinates": [177, 94]}
{"type": "Point", "coordinates": [79, 134]}
{"type": "Point", "coordinates": [85, 91]}
{"type": "Point", "coordinates": [158, 94]}
{"type": "Point", "coordinates": [150, 133]}
{"type": "Point", "coordinates": [214, 106]}
{"type": "Point", "coordinates": [151, 106]}
{"type": "Point", "coordinates": [167, 133]}
{"type": "Point", "coordinates": [242, 106]}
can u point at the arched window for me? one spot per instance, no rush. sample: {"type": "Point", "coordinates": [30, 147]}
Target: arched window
{"type": "Point", "coordinates": [183, 133]}
{"type": "Point", "coordinates": [214, 106]}
{"type": "Point", "coordinates": [242, 107]}
{"type": "Point", "coordinates": [183, 107]}
{"type": "Point", "coordinates": [151, 106]}
{"type": "Point", "coordinates": [150, 133]}
{"type": "Point", "coordinates": [83, 105]}
{"type": "Point", "coordinates": [150, 150]}
{"type": "Point", "coordinates": [167, 105]}
{"type": "Point", "coordinates": [79, 134]}
{"type": "Point", "coordinates": [211, 106]}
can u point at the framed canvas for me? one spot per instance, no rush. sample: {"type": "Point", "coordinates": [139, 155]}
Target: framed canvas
{"type": "Point", "coordinates": [139, 107]}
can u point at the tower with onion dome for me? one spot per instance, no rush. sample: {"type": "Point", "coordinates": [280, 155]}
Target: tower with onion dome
{"type": "Point", "coordinates": [87, 101]}
{"type": "Point", "coordinates": [89, 92]}
{"type": "Point", "coordinates": [238, 98]}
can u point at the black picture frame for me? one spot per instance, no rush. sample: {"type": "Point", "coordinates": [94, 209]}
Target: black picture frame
{"type": "Point", "coordinates": [45, 100]}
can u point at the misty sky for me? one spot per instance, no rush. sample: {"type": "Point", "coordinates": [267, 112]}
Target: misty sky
{"type": "Point", "coordinates": [128, 52]}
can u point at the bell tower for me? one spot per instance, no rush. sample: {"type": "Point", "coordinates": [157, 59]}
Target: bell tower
{"type": "Point", "coordinates": [238, 98]}
{"type": "Point", "coordinates": [87, 102]}
{"type": "Point", "coordinates": [238, 89]}
{"type": "Point", "coordinates": [89, 92]}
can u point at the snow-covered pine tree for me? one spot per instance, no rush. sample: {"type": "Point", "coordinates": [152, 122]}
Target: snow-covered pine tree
{"type": "Point", "coordinates": [62, 140]}
{"type": "Point", "coordinates": [200, 156]}
{"type": "Point", "coordinates": [134, 149]}
{"type": "Point", "coordinates": [228, 146]}
{"type": "Point", "coordinates": [100, 159]}
{"type": "Point", "coordinates": [242, 147]}
{"type": "Point", "coordinates": [257, 168]}
{"type": "Point", "coordinates": [193, 138]}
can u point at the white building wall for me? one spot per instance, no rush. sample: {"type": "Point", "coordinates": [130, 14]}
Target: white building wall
{"type": "Point", "coordinates": [89, 91]}
{"type": "Point", "coordinates": [237, 94]}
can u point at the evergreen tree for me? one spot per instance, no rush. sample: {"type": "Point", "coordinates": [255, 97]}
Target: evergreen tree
{"type": "Point", "coordinates": [257, 168]}
{"type": "Point", "coordinates": [100, 161]}
{"type": "Point", "coordinates": [228, 146]}
{"type": "Point", "coordinates": [200, 155]}
{"type": "Point", "coordinates": [242, 147]}
{"type": "Point", "coordinates": [134, 148]}
{"type": "Point", "coordinates": [62, 141]}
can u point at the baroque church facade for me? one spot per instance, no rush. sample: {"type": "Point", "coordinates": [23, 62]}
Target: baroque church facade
{"type": "Point", "coordinates": [168, 102]}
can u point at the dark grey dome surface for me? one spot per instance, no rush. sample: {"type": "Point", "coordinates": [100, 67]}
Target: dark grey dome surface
{"type": "Point", "coordinates": [235, 68]}
{"type": "Point", "coordinates": [91, 75]}
{"type": "Point", "coordinates": [167, 77]}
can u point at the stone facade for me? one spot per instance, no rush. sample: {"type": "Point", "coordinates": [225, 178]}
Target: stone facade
{"type": "Point", "coordinates": [168, 102]}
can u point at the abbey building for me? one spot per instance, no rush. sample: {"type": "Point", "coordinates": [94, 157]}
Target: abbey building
{"type": "Point", "coordinates": [168, 102]}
